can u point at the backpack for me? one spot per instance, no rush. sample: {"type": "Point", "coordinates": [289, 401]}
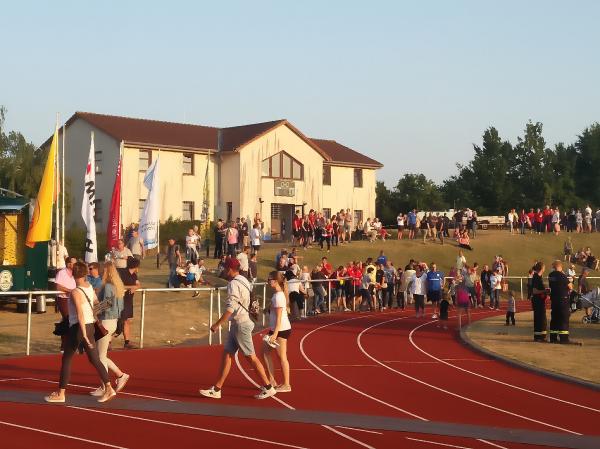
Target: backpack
{"type": "Point", "coordinates": [254, 307]}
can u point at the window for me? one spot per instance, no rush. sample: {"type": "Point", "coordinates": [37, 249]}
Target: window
{"type": "Point", "coordinates": [188, 211]}
{"type": "Point", "coordinates": [98, 162]}
{"type": "Point", "coordinates": [97, 211]}
{"type": "Point", "coordinates": [188, 164]}
{"type": "Point", "coordinates": [327, 213]}
{"type": "Point", "coordinates": [141, 208]}
{"type": "Point", "coordinates": [229, 211]}
{"type": "Point", "coordinates": [358, 218]}
{"type": "Point", "coordinates": [326, 175]}
{"type": "Point", "coordinates": [282, 165]}
{"type": "Point", "coordinates": [145, 159]}
{"type": "Point", "coordinates": [358, 179]}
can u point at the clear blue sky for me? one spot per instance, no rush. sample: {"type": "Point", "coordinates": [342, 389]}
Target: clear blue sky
{"type": "Point", "coordinates": [412, 84]}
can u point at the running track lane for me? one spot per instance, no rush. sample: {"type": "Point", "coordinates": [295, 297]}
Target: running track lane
{"type": "Point", "coordinates": [518, 409]}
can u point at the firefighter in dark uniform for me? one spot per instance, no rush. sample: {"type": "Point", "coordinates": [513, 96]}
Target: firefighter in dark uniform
{"type": "Point", "coordinates": [560, 289]}
{"type": "Point", "coordinates": [538, 303]}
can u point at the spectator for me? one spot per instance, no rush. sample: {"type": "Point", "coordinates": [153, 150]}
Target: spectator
{"type": "Point", "coordinates": [120, 254]}
{"type": "Point", "coordinates": [65, 282]}
{"type": "Point", "coordinates": [135, 244]}
{"type": "Point", "coordinates": [255, 238]}
{"type": "Point", "coordinates": [94, 278]}
{"type": "Point", "coordinates": [496, 287]}
{"type": "Point", "coordinates": [131, 282]}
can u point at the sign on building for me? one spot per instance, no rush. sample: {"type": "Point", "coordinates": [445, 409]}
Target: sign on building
{"type": "Point", "coordinates": [285, 187]}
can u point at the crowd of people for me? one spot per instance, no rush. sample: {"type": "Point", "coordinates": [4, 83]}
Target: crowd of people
{"type": "Point", "coordinates": [552, 220]}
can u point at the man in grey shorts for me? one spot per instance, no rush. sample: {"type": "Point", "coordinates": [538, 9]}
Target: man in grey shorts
{"type": "Point", "coordinates": [240, 334]}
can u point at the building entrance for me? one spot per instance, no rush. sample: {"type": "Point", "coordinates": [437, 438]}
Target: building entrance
{"type": "Point", "coordinates": [281, 221]}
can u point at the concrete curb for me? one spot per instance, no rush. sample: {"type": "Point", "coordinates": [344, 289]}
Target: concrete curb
{"type": "Point", "coordinates": [542, 372]}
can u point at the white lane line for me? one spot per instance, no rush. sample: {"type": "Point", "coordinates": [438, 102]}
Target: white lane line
{"type": "Point", "coordinates": [359, 430]}
{"type": "Point", "coordinates": [62, 435]}
{"type": "Point", "coordinates": [285, 404]}
{"type": "Point", "coordinates": [9, 380]}
{"type": "Point", "coordinates": [435, 442]}
{"type": "Point", "coordinates": [346, 366]}
{"type": "Point", "coordinates": [491, 379]}
{"type": "Point", "coordinates": [408, 362]}
{"type": "Point", "coordinates": [183, 426]}
{"type": "Point", "coordinates": [483, 404]}
{"type": "Point", "coordinates": [93, 388]}
{"type": "Point", "coordinates": [360, 391]}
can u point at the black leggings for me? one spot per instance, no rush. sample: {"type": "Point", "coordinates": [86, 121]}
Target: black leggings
{"type": "Point", "coordinates": [325, 239]}
{"type": "Point", "coordinates": [74, 340]}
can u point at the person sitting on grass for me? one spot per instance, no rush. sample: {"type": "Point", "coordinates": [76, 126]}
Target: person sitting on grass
{"type": "Point", "coordinates": [464, 241]}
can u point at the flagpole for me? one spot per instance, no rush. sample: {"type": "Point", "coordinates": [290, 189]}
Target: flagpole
{"type": "Point", "coordinates": [121, 151]}
{"type": "Point", "coordinates": [62, 191]}
{"type": "Point", "coordinates": [158, 228]}
{"type": "Point", "coordinates": [56, 189]}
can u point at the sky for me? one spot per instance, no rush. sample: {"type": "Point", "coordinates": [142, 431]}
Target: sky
{"type": "Point", "coordinates": [411, 84]}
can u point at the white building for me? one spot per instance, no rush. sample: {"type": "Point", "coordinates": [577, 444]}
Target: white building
{"type": "Point", "coordinates": [268, 168]}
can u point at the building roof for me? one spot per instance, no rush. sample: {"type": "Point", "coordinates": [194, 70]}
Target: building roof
{"type": "Point", "coordinates": [342, 154]}
{"type": "Point", "coordinates": [181, 135]}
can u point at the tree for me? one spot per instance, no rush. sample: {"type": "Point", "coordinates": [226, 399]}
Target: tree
{"type": "Point", "coordinates": [416, 191]}
{"type": "Point", "coordinates": [587, 164]}
{"type": "Point", "coordinates": [385, 203]}
{"type": "Point", "coordinates": [528, 172]}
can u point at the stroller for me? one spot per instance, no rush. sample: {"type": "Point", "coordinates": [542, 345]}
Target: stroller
{"type": "Point", "coordinates": [591, 300]}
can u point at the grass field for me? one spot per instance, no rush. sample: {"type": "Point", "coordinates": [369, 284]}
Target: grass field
{"type": "Point", "coordinates": [175, 318]}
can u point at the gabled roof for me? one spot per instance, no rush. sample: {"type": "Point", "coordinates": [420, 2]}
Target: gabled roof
{"type": "Point", "coordinates": [180, 135]}
{"type": "Point", "coordinates": [342, 154]}
{"type": "Point", "coordinates": [151, 132]}
{"type": "Point", "coordinates": [237, 137]}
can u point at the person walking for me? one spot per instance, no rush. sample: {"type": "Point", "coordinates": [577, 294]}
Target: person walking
{"type": "Point", "coordinates": [130, 280]}
{"type": "Point", "coordinates": [81, 333]}
{"type": "Point", "coordinates": [112, 293]}
{"type": "Point", "coordinates": [435, 285]}
{"type": "Point", "coordinates": [496, 287]}
{"type": "Point", "coordinates": [173, 257]}
{"type": "Point", "coordinates": [65, 283]}
{"type": "Point", "coordinates": [240, 333]}
{"type": "Point", "coordinates": [418, 288]}
{"type": "Point", "coordinates": [280, 330]}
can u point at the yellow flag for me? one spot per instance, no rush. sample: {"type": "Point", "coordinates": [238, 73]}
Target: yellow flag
{"type": "Point", "coordinates": [40, 228]}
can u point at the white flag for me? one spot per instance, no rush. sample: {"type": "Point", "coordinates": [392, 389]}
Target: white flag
{"type": "Point", "coordinates": [149, 220]}
{"type": "Point", "coordinates": [88, 207]}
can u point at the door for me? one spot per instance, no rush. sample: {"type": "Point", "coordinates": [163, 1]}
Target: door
{"type": "Point", "coordinates": [281, 221]}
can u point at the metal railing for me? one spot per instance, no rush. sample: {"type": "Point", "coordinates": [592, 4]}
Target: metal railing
{"type": "Point", "coordinates": [30, 294]}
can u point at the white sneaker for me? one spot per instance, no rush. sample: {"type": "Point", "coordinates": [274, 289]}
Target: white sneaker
{"type": "Point", "coordinates": [211, 393]}
{"type": "Point", "coordinates": [264, 393]}
{"type": "Point", "coordinates": [434, 316]}
{"type": "Point", "coordinates": [121, 382]}
{"type": "Point", "coordinates": [283, 388]}
{"type": "Point", "coordinates": [107, 395]}
{"type": "Point", "coordinates": [98, 391]}
{"type": "Point", "coordinates": [346, 309]}
{"type": "Point", "coordinates": [55, 397]}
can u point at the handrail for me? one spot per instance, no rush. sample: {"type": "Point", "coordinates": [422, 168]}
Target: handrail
{"type": "Point", "coordinates": [31, 293]}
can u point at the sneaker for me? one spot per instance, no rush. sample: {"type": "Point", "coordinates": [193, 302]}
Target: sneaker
{"type": "Point", "coordinates": [211, 393]}
{"type": "Point", "coordinates": [129, 346]}
{"type": "Point", "coordinates": [195, 295]}
{"type": "Point", "coordinates": [109, 393]}
{"type": "Point", "coordinates": [121, 382]}
{"type": "Point", "coordinates": [283, 388]}
{"type": "Point", "coordinates": [55, 397]}
{"type": "Point", "coordinates": [264, 393]}
{"type": "Point", "coordinates": [346, 309]}
{"type": "Point", "coordinates": [434, 316]}
{"type": "Point", "coordinates": [98, 391]}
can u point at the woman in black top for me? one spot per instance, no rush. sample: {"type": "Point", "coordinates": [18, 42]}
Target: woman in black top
{"type": "Point", "coordinates": [538, 302]}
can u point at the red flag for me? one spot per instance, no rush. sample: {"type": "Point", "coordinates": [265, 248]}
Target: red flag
{"type": "Point", "coordinates": [113, 233]}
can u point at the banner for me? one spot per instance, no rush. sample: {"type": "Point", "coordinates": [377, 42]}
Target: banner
{"type": "Point", "coordinates": [88, 207]}
{"type": "Point", "coordinates": [149, 220]}
{"type": "Point", "coordinates": [40, 227]}
{"type": "Point", "coordinates": [113, 232]}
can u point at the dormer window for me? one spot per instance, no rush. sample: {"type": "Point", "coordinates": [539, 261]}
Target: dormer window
{"type": "Point", "coordinates": [283, 166]}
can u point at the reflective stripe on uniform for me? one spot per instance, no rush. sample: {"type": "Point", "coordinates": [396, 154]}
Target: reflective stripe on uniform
{"type": "Point", "coordinates": [560, 332]}
{"type": "Point", "coordinates": [540, 333]}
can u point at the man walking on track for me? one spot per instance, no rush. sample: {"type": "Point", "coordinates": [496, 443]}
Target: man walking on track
{"type": "Point", "coordinates": [560, 288]}
{"type": "Point", "coordinates": [240, 334]}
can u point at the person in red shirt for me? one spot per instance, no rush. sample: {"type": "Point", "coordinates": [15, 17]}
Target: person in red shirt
{"type": "Point", "coordinates": [297, 229]}
{"type": "Point", "coordinates": [547, 223]}
{"type": "Point", "coordinates": [539, 221]}
{"type": "Point", "coordinates": [531, 220]}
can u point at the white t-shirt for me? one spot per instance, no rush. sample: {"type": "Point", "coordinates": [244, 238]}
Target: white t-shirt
{"type": "Point", "coordinates": [88, 313]}
{"type": "Point", "coordinates": [243, 258]}
{"type": "Point", "coordinates": [278, 301]}
{"type": "Point", "coordinates": [496, 281]}
{"type": "Point", "coordinates": [293, 285]}
{"type": "Point", "coordinates": [120, 257]}
{"type": "Point", "coordinates": [62, 253]}
{"type": "Point", "coordinates": [191, 241]}
{"type": "Point", "coordinates": [255, 236]}
{"type": "Point", "coordinates": [419, 284]}
{"type": "Point", "coordinates": [460, 262]}
{"type": "Point", "coordinates": [400, 220]}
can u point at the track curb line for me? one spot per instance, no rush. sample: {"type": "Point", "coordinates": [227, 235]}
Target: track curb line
{"type": "Point", "coordinates": [542, 372]}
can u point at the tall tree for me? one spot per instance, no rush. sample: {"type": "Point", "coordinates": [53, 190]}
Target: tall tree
{"type": "Point", "coordinates": [416, 191]}
{"type": "Point", "coordinates": [587, 164]}
{"type": "Point", "coordinates": [528, 171]}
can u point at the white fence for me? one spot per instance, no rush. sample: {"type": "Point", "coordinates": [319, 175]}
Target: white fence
{"type": "Point", "coordinates": [213, 291]}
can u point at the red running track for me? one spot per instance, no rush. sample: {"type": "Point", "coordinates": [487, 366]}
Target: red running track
{"type": "Point", "coordinates": [384, 364]}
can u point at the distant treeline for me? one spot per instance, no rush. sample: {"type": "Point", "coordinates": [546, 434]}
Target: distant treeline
{"type": "Point", "coordinates": [503, 175]}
